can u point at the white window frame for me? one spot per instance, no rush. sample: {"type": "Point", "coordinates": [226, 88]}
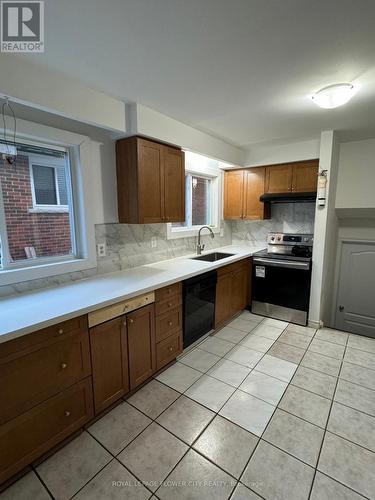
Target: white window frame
{"type": "Point", "coordinates": [215, 175]}
{"type": "Point", "coordinates": [84, 252]}
{"type": "Point", "coordinates": [54, 163]}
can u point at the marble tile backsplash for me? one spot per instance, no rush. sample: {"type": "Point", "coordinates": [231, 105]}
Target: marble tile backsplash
{"type": "Point", "coordinates": [285, 218]}
{"type": "Point", "coordinates": [130, 245]}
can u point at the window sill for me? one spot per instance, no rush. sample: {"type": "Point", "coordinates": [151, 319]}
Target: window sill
{"type": "Point", "coordinates": [15, 275]}
{"type": "Point", "coordinates": [49, 210]}
{"type": "Point", "coordinates": [188, 232]}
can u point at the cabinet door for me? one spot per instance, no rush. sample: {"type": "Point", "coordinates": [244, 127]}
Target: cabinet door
{"type": "Point", "coordinates": [305, 177]}
{"type": "Point", "coordinates": [233, 194]}
{"type": "Point", "coordinates": [240, 288]}
{"type": "Point", "coordinates": [254, 180]}
{"type": "Point", "coordinates": [223, 307]}
{"type": "Point", "coordinates": [279, 179]}
{"type": "Point", "coordinates": [109, 362]}
{"type": "Point", "coordinates": [141, 344]}
{"type": "Point", "coordinates": [150, 182]}
{"type": "Point", "coordinates": [174, 185]}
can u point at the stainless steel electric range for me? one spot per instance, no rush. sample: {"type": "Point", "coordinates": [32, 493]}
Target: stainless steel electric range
{"type": "Point", "coordinates": [281, 277]}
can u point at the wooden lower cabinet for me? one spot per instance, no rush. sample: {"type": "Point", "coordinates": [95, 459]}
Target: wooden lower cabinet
{"type": "Point", "coordinates": [232, 291]}
{"type": "Point", "coordinates": [109, 354]}
{"type": "Point", "coordinates": [168, 349]}
{"type": "Point", "coordinates": [141, 344]}
{"type": "Point", "coordinates": [28, 436]}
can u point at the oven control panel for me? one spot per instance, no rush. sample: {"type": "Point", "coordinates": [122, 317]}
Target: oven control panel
{"type": "Point", "coordinates": [290, 239]}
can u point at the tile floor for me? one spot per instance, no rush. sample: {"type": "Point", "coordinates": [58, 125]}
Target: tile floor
{"type": "Point", "coordinates": [262, 409]}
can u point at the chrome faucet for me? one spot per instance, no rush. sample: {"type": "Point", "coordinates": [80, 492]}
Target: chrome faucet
{"type": "Point", "coordinates": [200, 247]}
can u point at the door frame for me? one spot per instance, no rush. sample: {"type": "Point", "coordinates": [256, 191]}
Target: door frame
{"type": "Point", "coordinates": [336, 281]}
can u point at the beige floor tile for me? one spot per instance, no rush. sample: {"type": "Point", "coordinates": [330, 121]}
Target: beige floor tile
{"type": "Point", "coordinates": [27, 488]}
{"type": "Point", "coordinates": [186, 419]}
{"type": "Point", "coordinates": [114, 482]}
{"type": "Point", "coordinates": [331, 335]}
{"type": "Point", "coordinates": [153, 398]}
{"type": "Point", "coordinates": [195, 478]}
{"type": "Point", "coordinates": [349, 464]}
{"type": "Point", "coordinates": [302, 330]}
{"type": "Point", "coordinates": [295, 436]}
{"type": "Point", "coordinates": [325, 488]}
{"type": "Point", "coordinates": [264, 387]}
{"type": "Point", "coordinates": [321, 363]}
{"type": "Point", "coordinates": [118, 427]}
{"type": "Point", "coordinates": [362, 343]}
{"type": "Point", "coordinates": [327, 348]}
{"type": "Point", "coordinates": [152, 455]}
{"type": "Point", "coordinates": [230, 334]}
{"type": "Point", "coordinates": [229, 372]}
{"type": "Point", "coordinates": [244, 356]}
{"type": "Point", "coordinates": [295, 339]}
{"type": "Point", "coordinates": [227, 445]}
{"type": "Point", "coordinates": [179, 376]}
{"type": "Point", "coordinates": [314, 381]}
{"type": "Point", "coordinates": [276, 475]}
{"type": "Point", "coordinates": [287, 352]}
{"type": "Point", "coordinates": [361, 358]}
{"type": "Point", "coordinates": [68, 470]}
{"type": "Point", "coordinates": [305, 404]}
{"type": "Point", "coordinates": [358, 375]}
{"type": "Point", "coordinates": [210, 392]}
{"type": "Point", "coordinates": [355, 396]}
{"type": "Point", "coordinates": [275, 367]}
{"type": "Point", "coordinates": [243, 493]}
{"type": "Point", "coordinates": [200, 360]}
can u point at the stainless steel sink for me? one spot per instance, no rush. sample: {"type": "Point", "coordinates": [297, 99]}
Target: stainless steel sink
{"type": "Point", "coordinates": [212, 257]}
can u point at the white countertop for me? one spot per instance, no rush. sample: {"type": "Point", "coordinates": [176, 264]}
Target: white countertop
{"type": "Point", "coordinates": [28, 312]}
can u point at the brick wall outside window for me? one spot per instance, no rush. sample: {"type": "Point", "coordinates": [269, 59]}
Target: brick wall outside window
{"type": "Point", "coordinates": [48, 233]}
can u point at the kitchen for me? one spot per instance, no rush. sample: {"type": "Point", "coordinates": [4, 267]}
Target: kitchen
{"type": "Point", "coordinates": [182, 316]}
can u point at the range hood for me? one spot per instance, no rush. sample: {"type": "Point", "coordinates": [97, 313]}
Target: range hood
{"type": "Point", "coordinates": [290, 197]}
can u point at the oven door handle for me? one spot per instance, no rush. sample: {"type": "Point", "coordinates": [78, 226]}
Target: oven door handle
{"type": "Point", "coordinates": [288, 264]}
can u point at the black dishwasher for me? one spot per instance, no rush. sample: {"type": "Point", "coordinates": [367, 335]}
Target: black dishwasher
{"type": "Point", "coordinates": [199, 306]}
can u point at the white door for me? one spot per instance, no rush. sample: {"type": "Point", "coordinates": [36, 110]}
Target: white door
{"type": "Point", "coordinates": [356, 291]}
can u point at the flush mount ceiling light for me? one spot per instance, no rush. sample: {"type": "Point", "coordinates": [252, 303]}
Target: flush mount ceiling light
{"type": "Point", "coordinates": [334, 95]}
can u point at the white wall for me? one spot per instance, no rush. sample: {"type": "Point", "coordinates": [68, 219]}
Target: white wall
{"type": "Point", "coordinates": [325, 235]}
{"type": "Point", "coordinates": [146, 121]}
{"type": "Point", "coordinates": [51, 91]}
{"type": "Point", "coordinates": [356, 178]}
{"type": "Point", "coordinates": [269, 155]}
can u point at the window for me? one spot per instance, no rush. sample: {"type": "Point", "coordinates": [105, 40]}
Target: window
{"type": "Point", "coordinates": [49, 185]}
{"type": "Point", "coordinates": [198, 195]}
{"type": "Point", "coordinates": [202, 197]}
{"type": "Point", "coordinates": [37, 207]}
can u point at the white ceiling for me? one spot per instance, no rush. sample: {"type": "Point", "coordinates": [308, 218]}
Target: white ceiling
{"type": "Point", "coordinates": [239, 69]}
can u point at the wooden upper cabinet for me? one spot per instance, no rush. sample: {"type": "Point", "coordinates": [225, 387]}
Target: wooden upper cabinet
{"type": "Point", "coordinates": [305, 176]}
{"type": "Point", "coordinates": [254, 180]}
{"type": "Point", "coordinates": [242, 190]}
{"type": "Point", "coordinates": [233, 194]}
{"type": "Point", "coordinates": [279, 178]}
{"type": "Point", "coordinates": [141, 344]}
{"type": "Point", "coordinates": [174, 184]}
{"type": "Point", "coordinates": [109, 355]}
{"type": "Point", "coordinates": [150, 182]}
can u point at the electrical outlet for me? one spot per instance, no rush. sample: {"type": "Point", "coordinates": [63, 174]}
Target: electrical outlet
{"type": "Point", "coordinates": [154, 242]}
{"type": "Point", "coordinates": [101, 249]}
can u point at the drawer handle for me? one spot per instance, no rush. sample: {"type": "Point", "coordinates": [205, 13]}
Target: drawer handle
{"type": "Point", "coordinates": [67, 413]}
{"type": "Point", "coordinates": [63, 366]}
{"type": "Point", "coordinates": [131, 320]}
{"type": "Point", "coordinates": [170, 304]}
{"type": "Point", "coordinates": [170, 323]}
{"type": "Point", "coordinates": [171, 349]}
{"type": "Point", "coordinates": [60, 331]}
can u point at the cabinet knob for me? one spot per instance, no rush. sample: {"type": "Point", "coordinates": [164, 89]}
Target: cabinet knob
{"type": "Point", "coordinates": [170, 323]}
{"type": "Point", "coordinates": [67, 413]}
{"type": "Point", "coordinates": [124, 323]}
{"type": "Point", "coordinates": [171, 349]}
{"type": "Point", "coordinates": [170, 304]}
{"type": "Point", "coordinates": [63, 366]}
{"type": "Point", "coordinates": [60, 331]}
{"type": "Point", "coordinates": [131, 320]}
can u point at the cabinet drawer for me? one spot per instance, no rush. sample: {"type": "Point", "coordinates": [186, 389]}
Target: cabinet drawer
{"type": "Point", "coordinates": [28, 436]}
{"type": "Point", "coordinates": [168, 323]}
{"type": "Point", "coordinates": [167, 292]}
{"type": "Point", "coordinates": [34, 376]}
{"type": "Point", "coordinates": [168, 349]}
{"type": "Point", "coordinates": [46, 335]}
{"type": "Point", "coordinates": [168, 305]}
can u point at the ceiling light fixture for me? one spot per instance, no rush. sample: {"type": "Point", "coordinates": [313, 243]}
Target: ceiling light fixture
{"type": "Point", "coordinates": [333, 96]}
